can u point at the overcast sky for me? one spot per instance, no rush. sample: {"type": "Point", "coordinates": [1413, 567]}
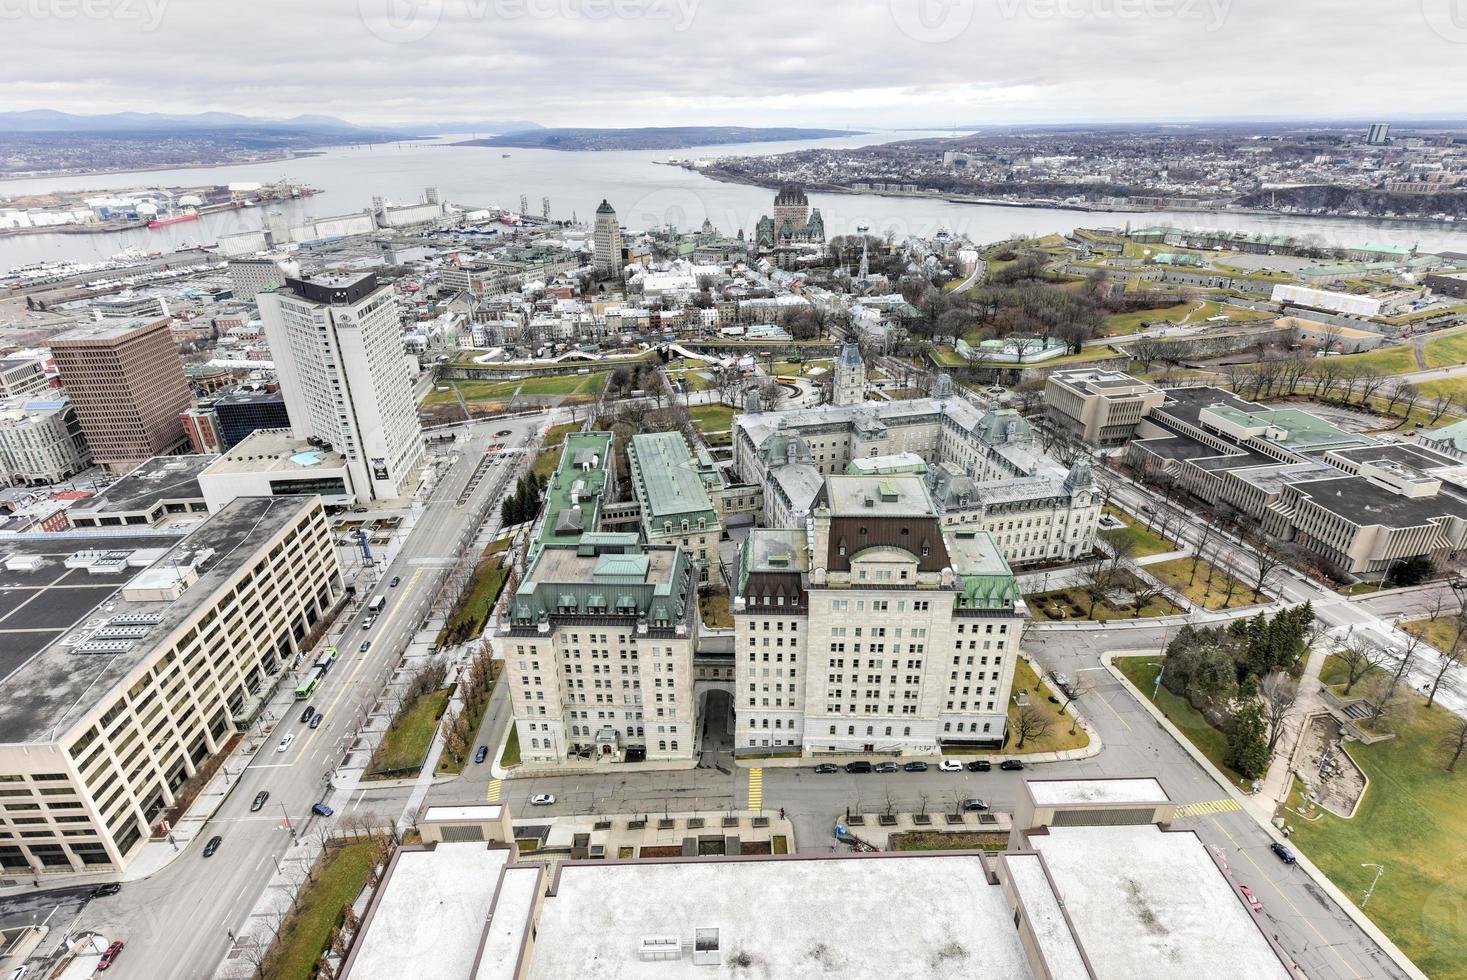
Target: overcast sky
{"type": "Point", "coordinates": [857, 63]}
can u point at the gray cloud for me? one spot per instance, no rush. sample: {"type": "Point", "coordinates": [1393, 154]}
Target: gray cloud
{"type": "Point", "coordinates": [751, 62]}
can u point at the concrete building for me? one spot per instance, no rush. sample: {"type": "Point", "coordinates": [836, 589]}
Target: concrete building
{"type": "Point", "coordinates": [598, 643]}
{"type": "Point", "coordinates": [127, 384]}
{"type": "Point", "coordinates": [1351, 503]}
{"type": "Point", "coordinates": [606, 239]}
{"type": "Point", "coordinates": [849, 385]}
{"type": "Point", "coordinates": [41, 441]}
{"type": "Point", "coordinates": [676, 509]}
{"type": "Point", "coordinates": [1097, 406]}
{"type": "Point", "coordinates": [985, 469]}
{"type": "Point", "coordinates": [273, 463]}
{"type": "Point", "coordinates": [886, 633]}
{"type": "Point", "coordinates": [1095, 886]}
{"type": "Point", "coordinates": [1322, 299]}
{"type": "Point", "coordinates": [162, 492]}
{"type": "Point", "coordinates": [252, 275]}
{"type": "Point", "coordinates": [22, 375]}
{"type": "Point", "coordinates": [339, 357]}
{"type": "Point", "coordinates": [141, 658]}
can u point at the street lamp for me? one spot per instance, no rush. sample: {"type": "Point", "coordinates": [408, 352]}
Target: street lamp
{"type": "Point", "coordinates": [1379, 870]}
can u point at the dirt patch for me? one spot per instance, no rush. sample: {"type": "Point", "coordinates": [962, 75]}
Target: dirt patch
{"type": "Point", "coordinates": [661, 851]}
{"type": "Point", "coordinates": [937, 840]}
{"type": "Point", "coordinates": [754, 847]}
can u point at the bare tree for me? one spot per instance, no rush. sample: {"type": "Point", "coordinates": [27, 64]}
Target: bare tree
{"type": "Point", "coordinates": [1448, 661]}
{"type": "Point", "coordinates": [255, 952]}
{"type": "Point", "coordinates": [1032, 723]}
{"type": "Point", "coordinates": [1403, 666]}
{"type": "Point", "coordinates": [1360, 657]}
{"type": "Point", "coordinates": [1266, 561]}
{"type": "Point", "coordinates": [1454, 742]}
{"type": "Point", "coordinates": [1439, 406]}
{"type": "Point", "coordinates": [1277, 692]}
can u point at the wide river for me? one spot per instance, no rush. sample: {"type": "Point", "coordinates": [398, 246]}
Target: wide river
{"type": "Point", "coordinates": [644, 194]}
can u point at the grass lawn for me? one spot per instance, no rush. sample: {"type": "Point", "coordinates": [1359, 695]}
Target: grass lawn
{"type": "Point", "coordinates": [474, 610]}
{"type": "Point", "coordinates": [1208, 587]}
{"type": "Point", "coordinates": [1126, 323]}
{"type": "Point", "coordinates": [1441, 633]}
{"type": "Point", "coordinates": [1455, 387]}
{"type": "Point", "coordinates": [407, 740]}
{"type": "Point", "coordinates": [946, 357]}
{"type": "Point", "coordinates": [511, 755]}
{"type": "Point", "coordinates": [1446, 351]}
{"type": "Point", "coordinates": [1143, 542]}
{"type": "Point", "coordinates": [343, 873]}
{"type": "Point", "coordinates": [937, 840]}
{"type": "Point", "coordinates": [1412, 821]}
{"type": "Point", "coordinates": [1142, 672]}
{"type": "Point", "coordinates": [713, 606]}
{"type": "Point", "coordinates": [692, 380]}
{"type": "Point", "coordinates": [564, 384]}
{"type": "Point", "coordinates": [1059, 737]}
{"type": "Point", "coordinates": [1400, 359]}
{"type": "Point", "coordinates": [712, 418]}
{"type": "Point", "coordinates": [1070, 599]}
{"type": "Point", "coordinates": [549, 457]}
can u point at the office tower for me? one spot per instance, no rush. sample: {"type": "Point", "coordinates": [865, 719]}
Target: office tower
{"type": "Point", "coordinates": [338, 353]}
{"type": "Point", "coordinates": [1379, 134]}
{"type": "Point", "coordinates": [607, 239]}
{"type": "Point", "coordinates": [250, 276]}
{"type": "Point", "coordinates": [127, 384]}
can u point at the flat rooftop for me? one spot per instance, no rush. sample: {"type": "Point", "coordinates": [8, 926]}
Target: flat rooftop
{"type": "Point", "coordinates": [37, 606]}
{"type": "Point", "coordinates": [565, 565]}
{"type": "Point", "coordinates": [1365, 503]}
{"type": "Point", "coordinates": [51, 689]}
{"type": "Point", "coordinates": [97, 330]}
{"type": "Point", "coordinates": [893, 495]}
{"type": "Point", "coordinates": [1058, 792]}
{"type": "Point", "coordinates": [864, 918]}
{"type": "Point", "coordinates": [154, 480]}
{"type": "Point", "coordinates": [275, 451]}
{"type": "Point", "coordinates": [974, 553]}
{"type": "Point", "coordinates": [1148, 904]}
{"type": "Point", "coordinates": [1057, 943]}
{"type": "Point", "coordinates": [430, 917]}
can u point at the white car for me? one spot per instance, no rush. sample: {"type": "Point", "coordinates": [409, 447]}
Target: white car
{"type": "Point", "coordinates": [285, 743]}
{"type": "Point", "coordinates": [950, 765]}
{"type": "Point", "coordinates": [542, 799]}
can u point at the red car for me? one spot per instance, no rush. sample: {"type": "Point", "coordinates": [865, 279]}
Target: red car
{"type": "Point", "coordinates": [110, 957]}
{"type": "Point", "coordinates": [1253, 903]}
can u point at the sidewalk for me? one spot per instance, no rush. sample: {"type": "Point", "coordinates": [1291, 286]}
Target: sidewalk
{"type": "Point", "coordinates": [1251, 807]}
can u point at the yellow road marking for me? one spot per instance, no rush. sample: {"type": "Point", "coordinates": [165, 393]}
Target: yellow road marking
{"type": "Point", "coordinates": [492, 796]}
{"type": "Point", "coordinates": [756, 789]}
{"type": "Point", "coordinates": [1210, 806]}
{"type": "Point", "coordinates": [362, 662]}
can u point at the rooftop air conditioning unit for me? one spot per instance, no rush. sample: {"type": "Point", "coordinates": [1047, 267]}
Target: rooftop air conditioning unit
{"type": "Point", "coordinates": [660, 948]}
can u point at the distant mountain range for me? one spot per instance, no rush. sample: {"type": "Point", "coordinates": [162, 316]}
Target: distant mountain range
{"type": "Point", "coordinates": [53, 121]}
{"type": "Point", "coordinates": [652, 138]}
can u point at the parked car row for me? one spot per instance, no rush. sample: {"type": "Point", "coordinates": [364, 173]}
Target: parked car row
{"type": "Point", "coordinates": [946, 765]}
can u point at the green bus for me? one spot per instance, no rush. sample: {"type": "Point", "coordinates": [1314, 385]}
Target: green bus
{"type": "Point", "coordinates": [308, 687]}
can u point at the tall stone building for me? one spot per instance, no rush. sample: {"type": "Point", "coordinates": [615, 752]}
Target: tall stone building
{"type": "Point", "coordinates": [794, 222]}
{"type": "Point", "coordinates": [607, 241]}
{"type": "Point", "coordinates": [850, 376]}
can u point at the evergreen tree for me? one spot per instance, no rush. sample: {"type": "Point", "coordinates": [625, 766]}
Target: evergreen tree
{"type": "Point", "coordinates": [1248, 741]}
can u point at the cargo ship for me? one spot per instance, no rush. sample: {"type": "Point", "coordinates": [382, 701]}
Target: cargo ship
{"type": "Point", "coordinates": [174, 218]}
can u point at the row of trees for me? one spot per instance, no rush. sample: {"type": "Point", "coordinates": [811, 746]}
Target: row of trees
{"type": "Point", "coordinates": [475, 687]}
{"type": "Point", "coordinates": [524, 504]}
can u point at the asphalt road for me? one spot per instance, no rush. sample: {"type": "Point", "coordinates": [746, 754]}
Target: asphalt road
{"type": "Point", "coordinates": [176, 923]}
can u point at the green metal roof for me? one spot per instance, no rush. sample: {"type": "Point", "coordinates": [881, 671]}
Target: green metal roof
{"type": "Point", "coordinates": [667, 481]}
{"type": "Point", "coordinates": [582, 475]}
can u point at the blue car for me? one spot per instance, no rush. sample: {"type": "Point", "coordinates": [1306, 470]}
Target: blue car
{"type": "Point", "coordinates": [482, 754]}
{"type": "Point", "coordinates": [321, 810]}
{"type": "Point", "coordinates": [1285, 855]}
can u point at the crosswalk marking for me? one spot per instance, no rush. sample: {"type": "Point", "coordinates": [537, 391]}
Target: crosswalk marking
{"type": "Point", "coordinates": [492, 796]}
{"type": "Point", "coordinates": [1211, 806]}
{"type": "Point", "coordinates": [756, 789]}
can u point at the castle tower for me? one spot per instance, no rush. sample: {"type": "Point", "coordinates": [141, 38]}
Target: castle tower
{"type": "Point", "coordinates": [850, 376]}
{"type": "Point", "coordinates": [791, 210]}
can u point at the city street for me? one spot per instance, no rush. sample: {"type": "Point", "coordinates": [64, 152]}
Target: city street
{"type": "Point", "coordinates": [182, 916]}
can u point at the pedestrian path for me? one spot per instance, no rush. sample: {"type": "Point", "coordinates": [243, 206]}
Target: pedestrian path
{"type": "Point", "coordinates": [492, 795]}
{"type": "Point", "coordinates": [756, 789]}
{"type": "Point", "coordinates": [1211, 806]}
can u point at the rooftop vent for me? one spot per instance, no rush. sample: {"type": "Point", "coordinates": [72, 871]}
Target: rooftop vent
{"type": "Point", "coordinates": [104, 646]}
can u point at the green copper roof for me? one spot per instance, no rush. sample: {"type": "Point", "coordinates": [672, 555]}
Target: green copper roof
{"type": "Point", "coordinates": [667, 481]}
